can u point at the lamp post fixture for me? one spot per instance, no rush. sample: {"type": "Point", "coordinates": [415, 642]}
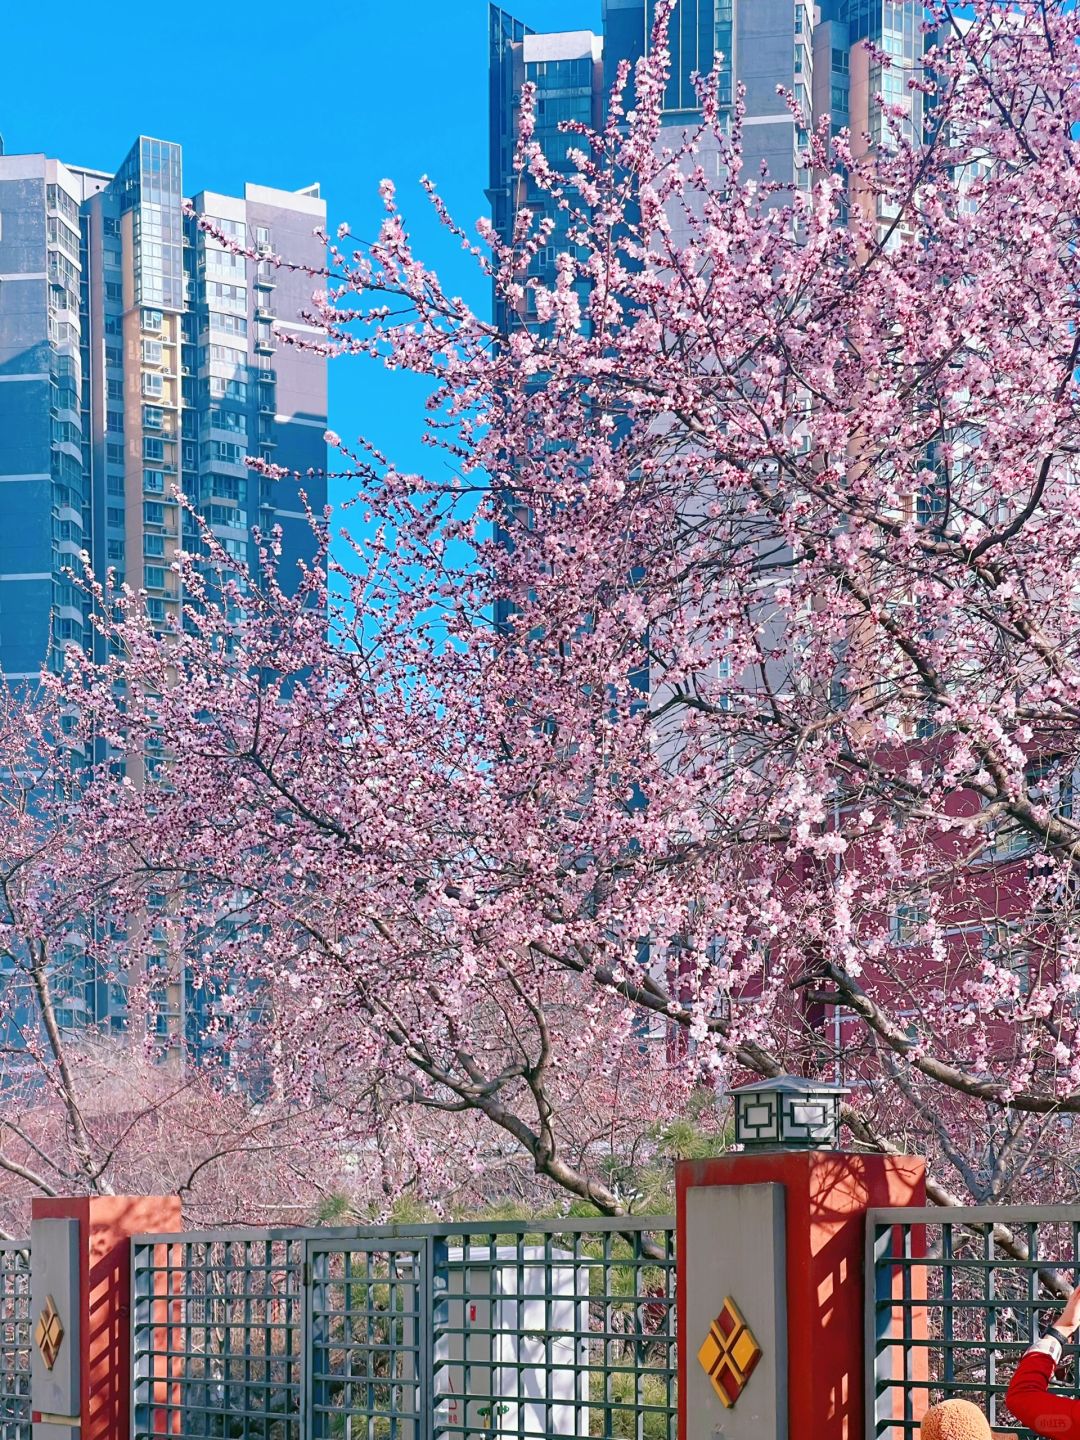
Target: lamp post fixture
{"type": "Point", "coordinates": [788, 1113]}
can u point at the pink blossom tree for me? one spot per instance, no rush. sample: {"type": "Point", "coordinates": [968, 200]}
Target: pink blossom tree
{"type": "Point", "coordinates": [126, 1107]}
{"type": "Point", "coordinates": [92, 1110]}
{"type": "Point", "coordinates": [773, 498]}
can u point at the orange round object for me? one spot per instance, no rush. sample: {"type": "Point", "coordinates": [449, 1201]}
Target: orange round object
{"type": "Point", "coordinates": [955, 1420]}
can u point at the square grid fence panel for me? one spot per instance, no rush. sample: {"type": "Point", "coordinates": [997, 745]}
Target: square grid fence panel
{"type": "Point", "coordinates": [217, 1335]}
{"type": "Point", "coordinates": [953, 1299]}
{"type": "Point", "coordinates": [369, 1336]}
{"type": "Point", "coordinates": [560, 1331]}
{"type": "Point", "coordinates": [15, 1326]}
{"type": "Point", "coordinates": [527, 1329]}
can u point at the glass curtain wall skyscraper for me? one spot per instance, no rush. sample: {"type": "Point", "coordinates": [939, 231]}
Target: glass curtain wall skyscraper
{"type": "Point", "coordinates": [567, 72]}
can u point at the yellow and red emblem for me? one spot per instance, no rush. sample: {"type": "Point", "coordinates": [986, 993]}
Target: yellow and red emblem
{"type": "Point", "coordinates": [49, 1333]}
{"type": "Point", "coordinates": [729, 1353]}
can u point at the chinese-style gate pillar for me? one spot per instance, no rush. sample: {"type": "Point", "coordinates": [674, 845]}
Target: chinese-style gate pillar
{"type": "Point", "coordinates": [80, 1296]}
{"type": "Point", "coordinates": [770, 1258]}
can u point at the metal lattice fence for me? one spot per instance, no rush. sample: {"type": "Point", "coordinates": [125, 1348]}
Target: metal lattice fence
{"type": "Point", "coordinates": [14, 1340]}
{"type": "Point", "coordinates": [369, 1337]}
{"type": "Point", "coordinates": [530, 1329]}
{"type": "Point", "coordinates": [566, 1332]}
{"type": "Point", "coordinates": [951, 1307]}
{"type": "Point", "coordinates": [217, 1335]}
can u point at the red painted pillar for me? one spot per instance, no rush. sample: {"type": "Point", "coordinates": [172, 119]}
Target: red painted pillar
{"type": "Point", "coordinates": [106, 1224]}
{"type": "Point", "coordinates": [826, 1197]}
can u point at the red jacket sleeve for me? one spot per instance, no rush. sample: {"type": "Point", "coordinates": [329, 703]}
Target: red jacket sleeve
{"type": "Point", "coordinates": [1028, 1397]}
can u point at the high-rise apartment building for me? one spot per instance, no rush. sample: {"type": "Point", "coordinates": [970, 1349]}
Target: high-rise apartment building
{"type": "Point", "coordinates": [44, 484]}
{"type": "Point", "coordinates": [764, 43]}
{"type": "Point", "coordinates": [138, 356]}
{"type": "Point", "coordinates": [813, 51]}
{"type": "Point", "coordinates": [770, 49]}
{"type": "Point", "coordinates": [567, 70]}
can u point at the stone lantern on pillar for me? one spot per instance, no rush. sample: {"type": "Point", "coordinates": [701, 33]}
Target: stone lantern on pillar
{"type": "Point", "coordinates": [788, 1113]}
{"type": "Point", "coordinates": [770, 1268]}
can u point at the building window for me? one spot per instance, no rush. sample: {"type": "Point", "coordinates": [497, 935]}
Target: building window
{"type": "Point", "coordinates": [228, 324]}
{"type": "Point", "coordinates": [153, 513]}
{"type": "Point", "coordinates": [909, 917]}
{"type": "Point", "coordinates": [234, 296]}
{"type": "Point", "coordinates": [153, 385]}
{"type": "Point", "coordinates": [222, 389]}
{"type": "Point", "coordinates": [114, 517]}
{"type": "Point", "coordinates": [154, 545]}
{"type": "Point", "coordinates": [1051, 782]}
{"type": "Point", "coordinates": [153, 448]}
{"type": "Point", "coordinates": [152, 319]}
{"type": "Point", "coordinates": [154, 481]}
{"type": "Point", "coordinates": [151, 352]}
{"type": "Point", "coordinates": [234, 229]}
{"type": "Point", "coordinates": [221, 450]}
{"type": "Point", "coordinates": [225, 487]}
{"type": "Point", "coordinates": [1003, 946]}
{"type": "Point", "coordinates": [228, 419]}
{"type": "Point", "coordinates": [114, 389]}
{"type": "Point", "coordinates": [154, 577]}
{"type": "Point", "coordinates": [224, 260]}
{"type": "Point", "coordinates": [114, 485]}
{"type": "Point", "coordinates": [61, 201]}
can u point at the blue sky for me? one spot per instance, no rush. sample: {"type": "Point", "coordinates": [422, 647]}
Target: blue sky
{"type": "Point", "coordinates": [258, 92]}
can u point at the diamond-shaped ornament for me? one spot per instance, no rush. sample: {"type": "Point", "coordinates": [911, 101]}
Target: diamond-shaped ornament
{"type": "Point", "coordinates": [729, 1354]}
{"type": "Point", "coordinates": [49, 1333]}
